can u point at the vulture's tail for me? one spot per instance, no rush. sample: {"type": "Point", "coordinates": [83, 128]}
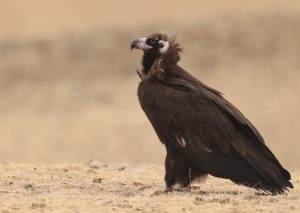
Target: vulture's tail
{"type": "Point", "coordinates": [276, 185]}
{"type": "Point", "coordinates": [256, 170]}
{"type": "Point", "coordinates": [268, 175]}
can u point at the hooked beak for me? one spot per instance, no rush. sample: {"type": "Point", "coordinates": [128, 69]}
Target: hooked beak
{"type": "Point", "coordinates": [140, 44]}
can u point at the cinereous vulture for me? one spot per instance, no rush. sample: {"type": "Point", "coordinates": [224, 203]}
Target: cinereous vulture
{"type": "Point", "coordinates": [203, 132]}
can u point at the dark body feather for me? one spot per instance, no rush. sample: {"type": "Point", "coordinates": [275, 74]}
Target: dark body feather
{"type": "Point", "coordinates": [203, 132]}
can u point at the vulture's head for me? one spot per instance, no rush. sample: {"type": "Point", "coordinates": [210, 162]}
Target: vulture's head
{"type": "Point", "coordinates": [159, 50]}
{"type": "Point", "coordinates": [156, 43]}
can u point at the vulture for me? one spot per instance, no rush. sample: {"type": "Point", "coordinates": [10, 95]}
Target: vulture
{"type": "Point", "coordinates": [202, 131]}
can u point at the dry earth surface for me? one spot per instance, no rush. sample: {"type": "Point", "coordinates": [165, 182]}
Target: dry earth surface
{"type": "Point", "coordinates": [98, 187]}
{"type": "Point", "coordinates": [68, 81]}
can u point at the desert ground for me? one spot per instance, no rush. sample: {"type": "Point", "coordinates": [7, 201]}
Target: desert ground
{"type": "Point", "coordinates": [68, 95]}
{"type": "Point", "coordinates": [98, 187]}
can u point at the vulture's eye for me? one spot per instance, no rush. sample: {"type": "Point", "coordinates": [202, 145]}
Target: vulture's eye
{"type": "Point", "coordinates": [153, 41]}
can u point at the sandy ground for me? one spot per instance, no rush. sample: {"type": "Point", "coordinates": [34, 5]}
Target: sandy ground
{"type": "Point", "coordinates": [97, 187]}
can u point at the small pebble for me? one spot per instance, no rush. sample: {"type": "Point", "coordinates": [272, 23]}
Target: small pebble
{"type": "Point", "coordinates": [97, 180]}
{"type": "Point", "coordinates": [121, 168]}
{"type": "Point", "coordinates": [95, 164]}
{"type": "Point", "coordinates": [28, 186]}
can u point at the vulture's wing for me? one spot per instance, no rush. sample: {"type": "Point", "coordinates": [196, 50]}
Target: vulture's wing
{"type": "Point", "coordinates": [210, 132]}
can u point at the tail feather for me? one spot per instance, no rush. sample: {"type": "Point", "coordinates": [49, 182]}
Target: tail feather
{"type": "Point", "coordinates": [258, 171]}
{"type": "Point", "coordinates": [273, 177]}
{"type": "Point", "coordinates": [277, 181]}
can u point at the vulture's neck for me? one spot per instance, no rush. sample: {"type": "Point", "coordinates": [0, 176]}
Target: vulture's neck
{"type": "Point", "coordinates": [148, 60]}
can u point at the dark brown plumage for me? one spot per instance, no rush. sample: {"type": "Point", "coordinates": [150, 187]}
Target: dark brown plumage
{"type": "Point", "coordinates": [202, 131]}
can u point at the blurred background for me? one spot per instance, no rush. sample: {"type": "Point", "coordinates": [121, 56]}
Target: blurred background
{"type": "Point", "coordinates": [68, 82]}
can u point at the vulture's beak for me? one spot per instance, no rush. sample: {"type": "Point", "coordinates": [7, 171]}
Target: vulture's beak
{"type": "Point", "coordinates": [140, 44]}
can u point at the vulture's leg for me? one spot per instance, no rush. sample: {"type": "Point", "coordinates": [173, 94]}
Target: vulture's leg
{"type": "Point", "coordinates": [170, 166]}
{"type": "Point", "coordinates": [179, 169]}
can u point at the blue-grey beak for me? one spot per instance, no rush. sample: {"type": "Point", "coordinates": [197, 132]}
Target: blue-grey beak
{"type": "Point", "coordinates": [134, 44]}
{"type": "Point", "coordinates": [140, 44]}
